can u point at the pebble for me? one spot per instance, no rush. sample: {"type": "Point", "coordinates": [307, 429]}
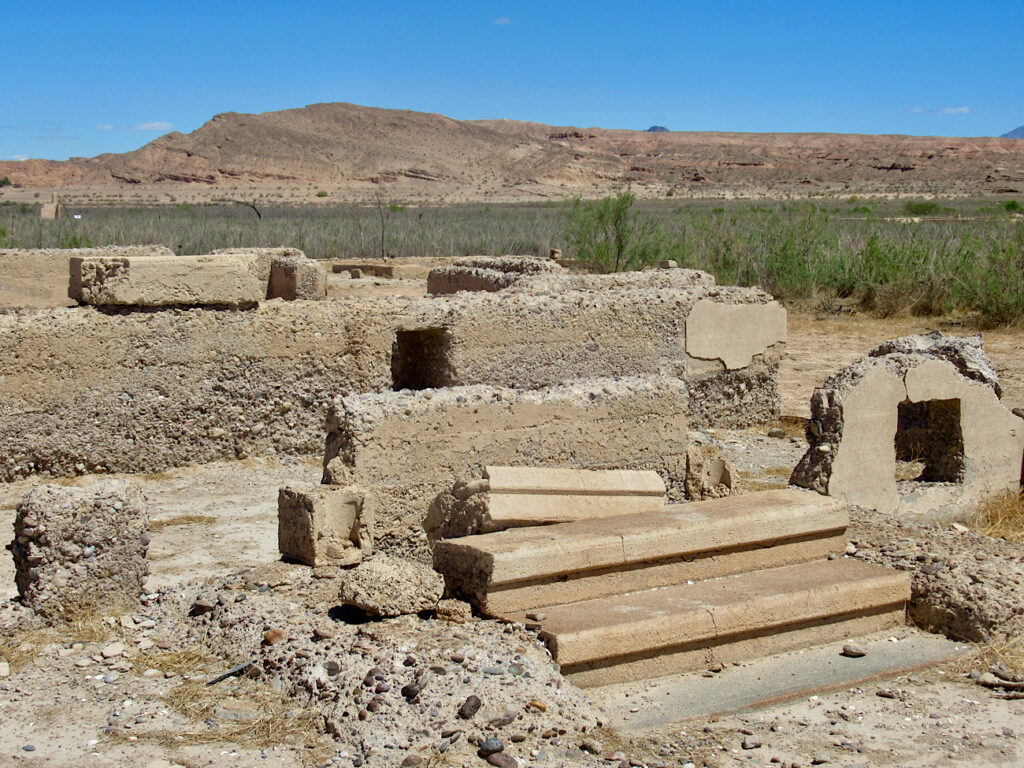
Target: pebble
{"type": "Point", "coordinates": [29, 748]}
{"type": "Point", "coordinates": [470, 707]}
{"type": "Point", "coordinates": [853, 651]}
{"type": "Point", "coordinates": [493, 671]}
{"type": "Point", "coordinates": [274, 636]}
{"type": "Point", "coordinates": [777, 432]}
{"type": "Point", "coordinates": [502, 760]}
{"type": "Point", "coordinates": [110, 678]}
{"type": "Point", "coordinates": [751, 742]}
{"type": "Point", "coordinates": [112, 651]}
{"type": "Point", "coordinates": [491, 746]}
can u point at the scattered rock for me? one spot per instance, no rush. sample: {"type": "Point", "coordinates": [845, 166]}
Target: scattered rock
{"type": "Point", "coordinates": [853, 651]}
{"type": "Point", "coordinates": [386, 586]}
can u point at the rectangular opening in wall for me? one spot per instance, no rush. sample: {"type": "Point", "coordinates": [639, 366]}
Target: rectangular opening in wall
{"type": "Point", "coordinates": [421, 359]}
{"type": "Point", "coordinates": [930, 442]}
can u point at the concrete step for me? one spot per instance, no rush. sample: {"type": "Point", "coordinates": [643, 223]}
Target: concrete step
{"type": "Point", "coordinates": [524, 568]}
{"type": "Point", "coordinates": [772, 680]}
{"type": "Point", "coordinates": [687, 626]}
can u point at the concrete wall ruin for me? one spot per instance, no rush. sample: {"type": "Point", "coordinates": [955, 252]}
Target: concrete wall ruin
{"type": "Point", "coordinates": [926, 401]}
{"type": "Point", "coordinates": [406, 447]}
{"type": "Point", "coordinates": [88, 390]}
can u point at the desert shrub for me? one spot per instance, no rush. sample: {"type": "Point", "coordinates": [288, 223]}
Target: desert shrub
{"type": "Point", "coordinates": [321, 193]}
{"type": "Point", "coordinates": [6, 182]}
{"type": "Point", "coordinates": [1012, 206]}
{"type": "Point", "coordinates": [607, 235]}
{"type": "Point", "coordinates": [921, 207]}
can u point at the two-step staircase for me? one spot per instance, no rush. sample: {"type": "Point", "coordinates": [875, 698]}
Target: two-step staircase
{"type": "Point", "coordinates": [652, 593]}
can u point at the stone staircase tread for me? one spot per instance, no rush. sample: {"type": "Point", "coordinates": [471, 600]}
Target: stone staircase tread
{"type": "Point", "coordinates": [751, 602]}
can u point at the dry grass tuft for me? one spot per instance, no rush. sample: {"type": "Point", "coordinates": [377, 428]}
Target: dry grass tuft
{"type": "Point", "coordinates": [275, 719]}
{"type": "Point", "coordinates": [1007, 653]}
{"type": "Point", "coordinates": [189, 661]}
{"type": "Point", "coordinates": [1000, 517]}
{"type": "Point", "coordinates": [156, 525]}
{"type": "Point", "coordinates": [19, 649]}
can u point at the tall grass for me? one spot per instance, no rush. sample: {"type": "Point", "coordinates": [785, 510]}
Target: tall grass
{"type": "Point", "coordinates": [969, 256]}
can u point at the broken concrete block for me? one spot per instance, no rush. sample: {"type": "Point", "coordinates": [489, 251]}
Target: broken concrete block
{"type": "Point", "coordinates": [81, 550]}
{"type": "Point", "coordinates": [934, 410]}
{"type": "Point", "coordinates": [709, 475]}
{"type": "Point", "coordinates": [324, 525]}
{"type": "Point", "coordinates": [293, 276]}
{"type": "Point", "coordinates": [388, 586]}
{"type": "Point", "coordinates": [513, 497]}
{"type": "Point", "coordinates": [159, 281]}
{"type": "Point", "coordinates": [733, 333]}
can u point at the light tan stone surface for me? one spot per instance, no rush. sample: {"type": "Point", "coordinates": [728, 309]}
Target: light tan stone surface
{"type": "Point", "coordinates": [733, 333]}
{"type": "Point", "coordinates": [154, 281]}
{"type": "Point", "coordinates": [324, 525]}
{"type": "Point", "coordinates": [864, 465]}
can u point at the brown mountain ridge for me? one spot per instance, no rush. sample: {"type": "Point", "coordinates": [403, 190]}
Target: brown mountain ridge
{"type": "Point", "coordinates": [353, 152]}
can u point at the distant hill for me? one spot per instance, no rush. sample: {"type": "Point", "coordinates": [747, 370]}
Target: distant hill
{"type": "Point", "coordinates": [352, 152]}
{"type": "Point", "coordinates": [1016, 133]}
{"type": "Point", "coordinates": [657, 129]}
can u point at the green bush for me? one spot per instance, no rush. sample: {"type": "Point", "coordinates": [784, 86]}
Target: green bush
{"type": "Point", "coordinates": [6, 182]}
{"type": "Point", "coordinates": [921, 207]}
{"type": "Point", "coordinates": [608, 236]}
{"type": "Point", "coordinates": [1012, 206]}
{"type": "Point", "coordinates": [321, 193]}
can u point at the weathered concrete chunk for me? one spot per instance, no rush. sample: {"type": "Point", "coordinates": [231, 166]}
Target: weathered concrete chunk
{"type": "Point", "coordinates": [324, 525]}
{"type": "Point", "coordinates": [733, 333]}
{"type": "Point", "coordinates": [512, 497]}
{"type": "Point", "coordinates": [933, 409]}
{"type": "Point", "coordinates": [79, 550]}
{"type": "Point", "coordinates": [966, 353]}
{"type": "Point", "coordinates": [389, 586]}
{"type": "Point", "coordinates": [157, 281]}
{"type": "Point", "coordinates": [487, 273]}
{"type": "Point", "coordinates": [289, 274]}
{"type": "Point", "coordinates": [709, 475]}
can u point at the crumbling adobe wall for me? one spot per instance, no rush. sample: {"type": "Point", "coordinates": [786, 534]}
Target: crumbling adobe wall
{"type": "Point", "coordinates": [406, 447]}
{"type": "Point", "coordinates": [85, 391]}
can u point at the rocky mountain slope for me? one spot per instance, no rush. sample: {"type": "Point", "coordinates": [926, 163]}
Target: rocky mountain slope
{"type": "Point", "coordinates": [355, 152]}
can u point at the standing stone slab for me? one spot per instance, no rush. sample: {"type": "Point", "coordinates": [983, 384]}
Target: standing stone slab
{"type": "Point", "coordinates": [81, 549]}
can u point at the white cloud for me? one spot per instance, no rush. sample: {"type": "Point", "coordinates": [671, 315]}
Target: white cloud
{"type": "Point", "coordinates": [15, 157]}
{"type": "Point", "coordinates": [943, 111]}
{"type": "Point", "coordinates": [502, 20]}
{"type": "Point", "coordinates": [159, 125]}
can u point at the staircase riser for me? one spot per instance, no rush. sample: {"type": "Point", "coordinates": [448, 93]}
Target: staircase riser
{"type": "Point", "coordinates": [701, 655]}
{"type": "Point", "coordinates": [526, 596]}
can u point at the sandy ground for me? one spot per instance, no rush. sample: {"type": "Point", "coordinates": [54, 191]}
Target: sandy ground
{"type": "Point", "coordinates": [218, 518]}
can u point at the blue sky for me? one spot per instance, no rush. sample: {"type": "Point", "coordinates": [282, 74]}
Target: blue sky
{"type": "Point", "coordinates": [81, 78]}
